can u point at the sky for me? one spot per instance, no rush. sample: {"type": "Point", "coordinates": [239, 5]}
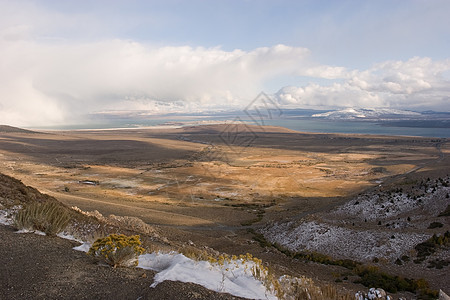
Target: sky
{"type": "Point", "coordinates": [63, 60]}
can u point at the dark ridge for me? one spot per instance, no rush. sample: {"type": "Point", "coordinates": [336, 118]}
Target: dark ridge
{"type": "Point", "coordinates": [11, 129]}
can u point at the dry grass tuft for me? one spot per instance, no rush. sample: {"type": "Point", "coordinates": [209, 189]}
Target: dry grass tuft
{"type": "Point", "coordinates": [123, 222]}
{"type": "Point", "coordinates": [48, 217]}
{"type": "Point", "coordinates": [195, 253]}
{"type": "Point", "coordinates": [131, 223]}
{"type": "Point", "coordinates": [293, 288]}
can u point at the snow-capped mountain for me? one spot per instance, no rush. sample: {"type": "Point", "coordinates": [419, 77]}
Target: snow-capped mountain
{"type": "Point", "coordinates": [367, 113]}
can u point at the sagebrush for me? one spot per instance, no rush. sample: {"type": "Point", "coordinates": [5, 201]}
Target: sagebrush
{"type": "Point", "coordinates": [118, 250]}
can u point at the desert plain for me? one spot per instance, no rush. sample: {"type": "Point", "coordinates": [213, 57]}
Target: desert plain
{"type": "Point", "coordinates": [213, 185]}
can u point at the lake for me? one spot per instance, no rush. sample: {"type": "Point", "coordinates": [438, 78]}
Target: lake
{"type": "Point", "coordinates": [298, 124]}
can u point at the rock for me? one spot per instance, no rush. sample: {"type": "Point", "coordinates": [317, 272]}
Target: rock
{"type": "Point", "coordinates": [372, 294]}
{"type": "Point", "coordinates": [360, 296]}
{"type": "Point", "coordinates": [380, 293]}
{"type": "Point", "coordinates": [443, 296]}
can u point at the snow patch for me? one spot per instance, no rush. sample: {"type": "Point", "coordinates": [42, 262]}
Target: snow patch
{"type": "Point", "coordinates": [31, 231]}
{"type": "Point", "coordinates": [83, 247]}
{"type": "Point", "coordinates": [7, 215]}
{"type": "Point", "coordinates": [5, 219]}
{"type": "Point", "coordinates": [233, 277]}
{"type": "Point", "coordinates": [367, 113]}
{"type": "Point", "coordinates": [65, 235]}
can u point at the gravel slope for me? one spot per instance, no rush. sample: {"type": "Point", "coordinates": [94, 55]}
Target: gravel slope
{"type": "Point", "coordinates": [42, 267]}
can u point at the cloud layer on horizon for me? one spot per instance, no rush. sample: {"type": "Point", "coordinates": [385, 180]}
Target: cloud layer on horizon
{"type": "Point", "coordinates": [418, 83]}
{"type": "Point", "coordinates": [56, 83]}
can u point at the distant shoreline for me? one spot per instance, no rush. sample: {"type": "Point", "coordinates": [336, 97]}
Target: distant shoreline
{"type": "Point", "coordinates": [307, 125]}
{"type": "Point", "coordinates": [165, 125]}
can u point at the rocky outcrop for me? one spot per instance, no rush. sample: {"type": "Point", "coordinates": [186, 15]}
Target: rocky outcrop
{"type": "Point", "coordinates": [372, 294]}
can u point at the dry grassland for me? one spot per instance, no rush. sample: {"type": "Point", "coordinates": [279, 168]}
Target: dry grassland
{"type": "Point", "coordinates": [207, 175]}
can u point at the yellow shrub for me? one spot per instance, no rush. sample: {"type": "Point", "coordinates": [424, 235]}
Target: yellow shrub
{"type": "Point", "coordinates": [118, 250]}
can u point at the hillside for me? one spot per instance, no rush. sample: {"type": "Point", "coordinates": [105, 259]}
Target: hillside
{"type": "Point", "coordinates": [11, 129]}
{"type": "Point", "coordinates": [14, 192]}
{"type": "Point", "coordinates": [394, 227]}
{"type": "Point", "coordinates": [43, 267]}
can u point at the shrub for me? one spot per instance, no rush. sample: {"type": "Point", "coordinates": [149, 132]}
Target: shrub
{"type": "Point", "coordinates": [118, 250]}
{"type": "Point", "coordinates": [49, 217]}
{"type": "Point", "coordinates": [438, 263]}
{"type": "Point", "coordinates": [195, 253]}
{"type": "Point", "coordinates": [435, 225]}
{"type": "Point", "coordinates": [431, 245]}
{"type": "Point", "coordinates": [428, 294]}
{"type": "Point", "coordinates": [405, 258]}
{"type": "Point", "coordinates": [446, 212]}
{"type": "Point", "coordinates": [326, 260]}
{"type": "Point", "coordinates": [372, 276]}
{"type": "Point", "coordinates": [258, 237]}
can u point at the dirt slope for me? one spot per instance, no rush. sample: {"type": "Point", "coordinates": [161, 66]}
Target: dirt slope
{"type": "Point", "coordinates": [11, 129]}
{"type": "Point", "coordinates": [42, 267]}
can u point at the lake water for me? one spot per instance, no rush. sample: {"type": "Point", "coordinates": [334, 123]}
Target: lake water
{"type": "Point", "coordinates": [300, 124]}
{"type": "Point", "coordinates": [328, 126]}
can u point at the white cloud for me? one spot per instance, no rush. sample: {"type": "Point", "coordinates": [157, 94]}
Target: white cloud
{"type": "Point", "coordinates": [48, 83]}
{"type": "Point", "coordinates": [335, 95]}
{"type": "Point", "coordinates": [409, 77]}
{"type": "Point", "coordinates": [326, 72]}
{"type": "Point", "coordinates": [416, 83]}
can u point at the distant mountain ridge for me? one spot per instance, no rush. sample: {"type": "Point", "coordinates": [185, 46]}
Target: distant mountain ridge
{"type": "Point", "coordinates": [369, 113]}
